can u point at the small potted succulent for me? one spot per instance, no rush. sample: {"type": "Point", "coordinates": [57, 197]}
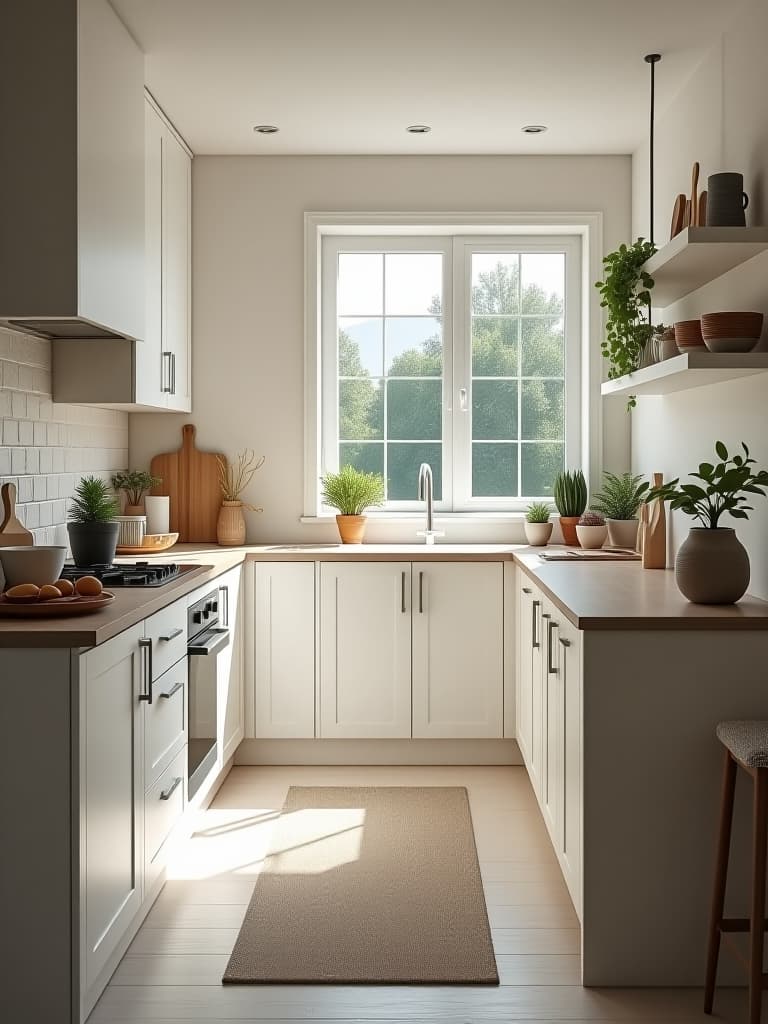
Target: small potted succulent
{"type": "Point", "coordinates": [351, 492]}
{"type": "Point", "coordinates": [538, 527]}
{"type": "Point", "coordinates": [591, 530]}
{"type": "Point", "coordinates": [134, 483]}
{"type": "Point", "coordinates": [233, 480]}
{"type": "Point", "coordinates": [570, 492]}
{"type": "Point", "coordinates": [93, 527]}
{"type": "Point", "coordinates": [619, 501]}
{"type": "Point", "coordinates": [712, 565]}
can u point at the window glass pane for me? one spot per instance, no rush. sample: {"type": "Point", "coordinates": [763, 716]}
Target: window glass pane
{"type": "Point", "coordinates": [361, 410]}
{"type": "Point", "coordinates": [414, 410]}
{"type": "Point", "coordinates": [414, 346]}
{"type": "Point", "coordinates": [360, 287]}
{"type": "Point", "coordinates": [495, 282]}
{"type": "Point", "coordinates": [543, 347]}
{"type": "Point", "coordinates": [403, 461]}
{"type": "Point", "coordinates": [494, 346]}
{"type": "Point", "coordinates": [413, 282]}
{"type": "Point", "coordinates": [494, 410]}
{"type": "Point", "coordinates": [361, 348]}
{"type": "Point", "coordinates": [542, 279]}
{"type": "Point", "coordinates": [368, 458]}
{"type": "Point", "coordinates": [494, 470]}
{"type": "Point", "coordinates": [542, 412]}
{"type": "Point", "coordinates": [540, 465]}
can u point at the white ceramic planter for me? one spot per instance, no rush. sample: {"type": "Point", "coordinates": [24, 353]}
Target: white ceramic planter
{"type": "Point", "coordinates": [622, 533]}
{"type": "Point", "coordinates": [538, 534]}
{"type": "Point", "coordinates": [591, 536]}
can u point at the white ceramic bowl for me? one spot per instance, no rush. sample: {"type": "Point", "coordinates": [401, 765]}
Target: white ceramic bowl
{"type": "Point", "coordinates": [38, 565]}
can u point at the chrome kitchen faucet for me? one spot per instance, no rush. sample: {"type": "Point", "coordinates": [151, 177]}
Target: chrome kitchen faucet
{"type": "Point", "coordinates": [425, 493]}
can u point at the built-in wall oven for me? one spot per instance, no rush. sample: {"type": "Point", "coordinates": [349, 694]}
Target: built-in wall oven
{"type": "Point", "coordinates": [207, 634]}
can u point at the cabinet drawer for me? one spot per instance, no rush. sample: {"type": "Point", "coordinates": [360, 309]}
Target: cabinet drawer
{"type": "Point", "coordinates": [163, 807]}
{"type": "Point", "coordinates": [167, 630]}
{"type": "Point", "coordinates": [165, 721]}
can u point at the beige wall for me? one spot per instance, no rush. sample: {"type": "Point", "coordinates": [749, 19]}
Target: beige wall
{"type": "Point", "coordinates": [248, 291]}
{"type": "Point", "coordinates": [721, 120]}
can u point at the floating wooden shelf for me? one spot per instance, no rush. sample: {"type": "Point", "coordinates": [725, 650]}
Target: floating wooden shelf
{"type": "Point", "coordinates": [689, 370]}
{"type": "Point", "coordinates": [699, 255]}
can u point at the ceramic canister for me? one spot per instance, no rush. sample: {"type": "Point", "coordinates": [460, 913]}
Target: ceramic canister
{"type": "Point", "coordinates": [726, 200]}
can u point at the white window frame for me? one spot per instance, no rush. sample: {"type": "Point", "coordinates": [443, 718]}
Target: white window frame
{"type": "Point", "coordinates": [583, 368]}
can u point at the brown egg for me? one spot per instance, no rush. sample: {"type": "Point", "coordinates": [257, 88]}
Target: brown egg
{"type": "Point", "coordinates": [23, 590]}
{"type": "Point", "coordinates": [88, 586]}
{"type": "Point", "coordinates": [48, 593]}
{"type": "Point", "coordinates": [66, 587]}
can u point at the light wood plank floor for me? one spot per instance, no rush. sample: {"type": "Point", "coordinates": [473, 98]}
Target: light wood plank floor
{"type": "Point", "coordinates": [172, 972]}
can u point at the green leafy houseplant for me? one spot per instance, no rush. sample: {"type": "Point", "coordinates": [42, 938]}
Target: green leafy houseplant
{"type": "Point", "coordinates": [570, 492]}
{"type": "Point", "coordinates": [134, 483]}
{"type": "Point", "coordinates": [351, 492]}
{"type": "Point", "coordinates": [93, 526]}
{"type": "Point", "coordinates": [93, 502]}
{"type": "Point", "coordinates": [538, 512]}
{"type": "Point", "coordinates": [538, 528]}
{"type": "Point", "coordinates": [621, 496]}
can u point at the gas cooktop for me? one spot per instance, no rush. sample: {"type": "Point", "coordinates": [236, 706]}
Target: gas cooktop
{"type": "Point", "coordinates": [129, 574]}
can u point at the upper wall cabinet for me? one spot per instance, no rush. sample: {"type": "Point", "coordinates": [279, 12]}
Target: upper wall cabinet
{"type": "Point", "coordinates": [72, 172]}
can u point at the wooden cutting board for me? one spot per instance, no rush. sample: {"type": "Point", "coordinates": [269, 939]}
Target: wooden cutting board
{"type": "Point", "coordinates": [190, 478]}
{"type": "Point", "coordinates": [12, 532]}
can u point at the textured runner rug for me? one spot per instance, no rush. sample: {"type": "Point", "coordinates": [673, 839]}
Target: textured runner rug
{"type": "Point", "coordinates": [370, 886]}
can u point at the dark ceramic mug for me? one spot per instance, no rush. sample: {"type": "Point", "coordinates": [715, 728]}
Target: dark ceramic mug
{"type": "Point", "coordinates": [726, 200]}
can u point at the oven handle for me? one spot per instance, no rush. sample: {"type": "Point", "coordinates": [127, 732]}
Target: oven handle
{"type": "Point", "coordinates": [211, 642]}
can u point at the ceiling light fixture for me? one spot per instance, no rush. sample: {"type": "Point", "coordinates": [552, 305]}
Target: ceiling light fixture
{"type": "Point", "coordinates": [418, 129]}
{"type": "Point", "coordinates": [266, 129]}
{"type": "Point", "coordinates": [534, 129]}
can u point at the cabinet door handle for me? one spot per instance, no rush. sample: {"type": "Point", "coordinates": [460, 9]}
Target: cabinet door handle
{"type": "Point", "coordinates": [146, 646]}
{"type": "Point", "coordinates": [527, 590]}
{"type": "Point", "coordinates": [173, 373]}
{"type": "Point", "coordinates": [174, 689]}
{"type": "Point", "coordinates": [225, 594]}
{"type": "Point", "coordinates": [165, 374]}
{"type": "Point", "coordinates": [402, 592]}
{"type": "Point", "coordinates": [168, 793]}
{"type": "Point", "coordinates": [534, 638]}
{"type": "Point", "coordinates": [421, 593]}
{"type": "Point", "coordinates": [171, 636]}
{"type": "Point", "coordinates": [552, 669]}
{"type": "Point", "coordinates": [565, 643]}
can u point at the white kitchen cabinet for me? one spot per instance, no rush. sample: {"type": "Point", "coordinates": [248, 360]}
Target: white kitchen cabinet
{"type": "Point", "coordinates": [230, 668]}
{"type": "Point", "coordinates": [524, 690]}
{"type": "Point", "coordinates": [458, 649]}
{"type": "Point", "coordinates": [538, 738]}
{"type": "Point", "coordinates": [551, 714]}
{"type": "Point", "coordinates": [112, 680]}
{"type": "Point", "coordinates": [284, 650]}
{"type": "Point", "coordinates": [365, 650]}
{"type": "Point", "coordinates": [568, 661]}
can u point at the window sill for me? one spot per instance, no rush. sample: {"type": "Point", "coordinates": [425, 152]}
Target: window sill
{"type": "Point", "coordinates": [408, 518]}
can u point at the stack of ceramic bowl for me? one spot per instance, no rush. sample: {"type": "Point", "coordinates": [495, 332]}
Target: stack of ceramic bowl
{"type": "Point", "coordinates": [688, 337]}
{"type": "Point", "coordinates": [731, 332]}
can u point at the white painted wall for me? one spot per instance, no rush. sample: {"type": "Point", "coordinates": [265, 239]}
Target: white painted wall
{"type": "Point", "coordinates": [248, 315]}
{"type": "Point", "coordinates": [721, 120]}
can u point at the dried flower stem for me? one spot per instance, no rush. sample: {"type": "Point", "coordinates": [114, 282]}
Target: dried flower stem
{"type": "Point", "coordinates": [235, 478]}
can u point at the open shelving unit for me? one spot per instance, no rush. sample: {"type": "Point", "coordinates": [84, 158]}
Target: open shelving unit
{"type": "Point", "coordinates": [688, 370]}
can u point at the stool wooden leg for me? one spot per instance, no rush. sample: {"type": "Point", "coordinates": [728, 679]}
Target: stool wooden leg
{"type": "Point", "coordinates": [757, 922]}
{"type": "Point", "coordinates": [721, 877]}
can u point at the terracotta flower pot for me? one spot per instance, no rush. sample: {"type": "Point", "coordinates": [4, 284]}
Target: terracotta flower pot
{"type": "Point", "coordinates": [538, 534]}
{"type": "Point", "coordinates": [591, 536]}
{"type": "Point", "coordinates": [230, 526]}
{"type": "Point", "coordinates": [133, 510]}
{"type": "Point", "coordinates": [568, 526]}
{"type": "Point", "coordinates": [622, 533]}
{"type": "Point", "coordinates": [351, 528]}
{"type": "Point", "coordinates": [712, 566]}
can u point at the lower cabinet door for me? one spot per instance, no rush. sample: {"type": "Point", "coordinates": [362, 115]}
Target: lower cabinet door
{"type": "Point", "coordinates": [458, 649]}
{"type": "Point", "coordinates": [552, 715]}
{"type": "Point", "coordinates": [523, 690]}
{"type": "Point", "coordinates": [230, 706]}
{"type": "Point", "coordinates": [570, 661]}
{"type": "Point", "coordinates": [365, 650]}
{"type": "Point", "coordinates": [163, 808]}
{"type": "Point", "coordinates": [111, 800]}
{"type": "Point", "coordinates": [538, 735]}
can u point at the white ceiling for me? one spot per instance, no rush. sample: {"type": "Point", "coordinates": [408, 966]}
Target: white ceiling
{"type": "Point", "coordinates": [348, 76]}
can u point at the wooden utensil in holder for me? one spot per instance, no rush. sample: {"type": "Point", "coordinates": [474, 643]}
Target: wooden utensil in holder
{"type": "Point", "coordinates": [12, 531]}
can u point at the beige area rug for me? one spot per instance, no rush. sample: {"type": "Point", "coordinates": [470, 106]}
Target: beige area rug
{"type": "Point", "coordinates": [368, 886]}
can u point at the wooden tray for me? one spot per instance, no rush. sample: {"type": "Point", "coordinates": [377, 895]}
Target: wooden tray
{"type": "Point", "coordinates": [590, 555]}
{"type": "Point", "coordinates": [153, 542]}
{"type": "Point", "coordinates": [58, 606]}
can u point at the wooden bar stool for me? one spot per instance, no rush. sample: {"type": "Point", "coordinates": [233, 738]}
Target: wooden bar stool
{"type": "Point", "coordinates": [746, 746]}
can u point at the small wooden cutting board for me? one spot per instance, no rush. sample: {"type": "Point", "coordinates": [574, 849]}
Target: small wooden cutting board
{"type": "Point", "coordinates": [190, 478]}
{"type": "Point", "coordinates": [12, 531]}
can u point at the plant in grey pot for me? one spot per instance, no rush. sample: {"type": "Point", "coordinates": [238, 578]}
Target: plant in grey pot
{"type": "Point", "coordinates": [538, 527]}
{"type": "Point", "coordinates": [92, 525]}
{"type": "Point", "coordinates": [619, 501]}
{"type": "Point", "coordinates": [570, 492]}
{"type": "Point", "coordinates": [712, 565]}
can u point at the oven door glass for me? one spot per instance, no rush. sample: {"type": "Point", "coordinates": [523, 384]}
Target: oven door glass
{"type": "Point", "coordinates": [203, 661]}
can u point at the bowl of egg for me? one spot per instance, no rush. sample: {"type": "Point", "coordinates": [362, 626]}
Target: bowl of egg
{"type": "Point", "coordinates": [28, 593]}
{"type": "Point", "coordinates": [40, 566]}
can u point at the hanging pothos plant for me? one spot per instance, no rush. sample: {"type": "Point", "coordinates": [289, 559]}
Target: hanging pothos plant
{"type": "Point", "coordinates": [626, 294]}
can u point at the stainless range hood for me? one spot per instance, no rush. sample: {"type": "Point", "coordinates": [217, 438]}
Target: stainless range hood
{"type": "Point", "coordinates": [72, 172]}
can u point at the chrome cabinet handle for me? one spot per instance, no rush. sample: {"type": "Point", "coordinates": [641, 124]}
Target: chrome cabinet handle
{"type": "Point", "coordinates": [402, 592]}
{"type": "Point", "coordinates": [527, 590]}
{"type": "Point", "coordinates": [146, 646]}
{"type": "Point", "coordinates": [168, 793]}
{"type": "Point", "coordinates": [565, 643]}
{"type": "Point", "coordinates": [552, 669]}
{"type": "Point", "coordinates": [165, 374]}
{"type": "Point", "coordinates": [174, 689]}
{"type": "Point", "coordinates": [173, 373]}
{"type": "Point", "coordinates": [171, 636]}
{"type": "Point", "coordinates": [225, 593]}
{"type": "Point", "coordinates": [421, 593]}
{"type": "Point", "coordinates": [534, 638]}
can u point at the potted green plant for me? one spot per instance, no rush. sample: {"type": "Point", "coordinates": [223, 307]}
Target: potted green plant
{"type": "Point", "coordinates": [591, 530]}
{"type": "Point", "coordinates": [351, 492]}
{"type": "Point", "coordinates": [570, 492]}
{"type": "Point", "coordinates": [712, 565]}
{"type": "Point", "coordinates": [233, 480]}
{"type": "Point", "coordinates": [134, 483]}
{"type": "Point", "coordinates": [538, 527]}
{"type": "Point", "coordinates": [93, 526]}
{"type": "Point", "coordinates": [619, 501]}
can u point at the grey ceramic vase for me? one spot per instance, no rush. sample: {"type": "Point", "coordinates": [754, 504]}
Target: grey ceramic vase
{"type": "Point", "coordinates": [712, 566]}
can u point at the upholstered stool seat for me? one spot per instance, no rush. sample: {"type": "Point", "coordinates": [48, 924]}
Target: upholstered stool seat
{"type": "Point", "coordinates": [747, 741]}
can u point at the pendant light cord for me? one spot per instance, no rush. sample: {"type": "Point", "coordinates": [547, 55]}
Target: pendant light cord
{"type": "Point", "coordinates": [652, 59]}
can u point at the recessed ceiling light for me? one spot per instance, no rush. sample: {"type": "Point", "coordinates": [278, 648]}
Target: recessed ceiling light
{"type": "Point", "coordinates": [418, 129]}
{"type": "Point", "coordinates": [266, 129]}
{"type": "Point", "coordinates": [533, 129]}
